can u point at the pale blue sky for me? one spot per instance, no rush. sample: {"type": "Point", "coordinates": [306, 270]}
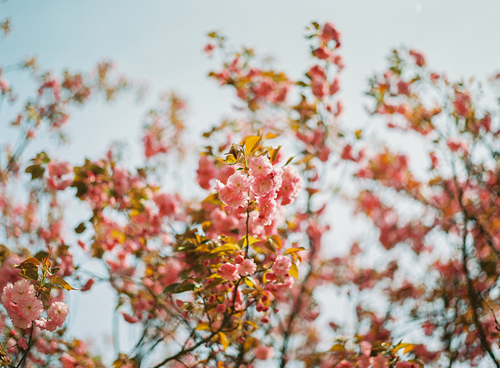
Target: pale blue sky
{"type": "Point", "coordinates": [162, 41]}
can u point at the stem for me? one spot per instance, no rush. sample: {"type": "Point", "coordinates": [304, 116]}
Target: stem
{"type": "Point", "coordinates": [298, 303]}
{"type": "Point", "coordinates": [29, 347]}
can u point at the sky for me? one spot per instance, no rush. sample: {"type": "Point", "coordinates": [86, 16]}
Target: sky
{"type": "Point", "coordinates": [161, 42]}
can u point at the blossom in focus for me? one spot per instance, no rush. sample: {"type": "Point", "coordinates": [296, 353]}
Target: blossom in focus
{"type": "Point", "coordinates": [282, 265]}
{"type": "Point", "coordinates": [247, 267]}
{"type": "Point", "coordinates": [235, 193]}
{"type": "Point", "coordinates": [21, 303]}
{"type": "Point", "coordinates": [229, 272]}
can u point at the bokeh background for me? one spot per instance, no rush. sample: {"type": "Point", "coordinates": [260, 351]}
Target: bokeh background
{"type": "Point", "coordinates": [161, 43]}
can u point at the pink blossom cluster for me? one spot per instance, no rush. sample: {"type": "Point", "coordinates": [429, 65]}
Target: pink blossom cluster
{"type": "Point", "coordinates": [56, 171]}
{"type": "Point", "coordinates": [236, 193]}
{"type": "Point", "coordinates": [4, 85]}
{"type": "Point", "coordinates": [207, 171]}
{"type": "Point", "coordinates": [24, 307]}
{"type": "Point", "coordinates": [315, 142]}
{"type": "Point", "coordinates": [21, 303]}
{"type": "Point", "coordinates": [153, 140]}
{"type": "Point", "coordinates": [265, 184]}
{"type": "Point", "coordinates": [242, 267]}
{"type": "Point", "coordinates": [57, 314]}
{"type": "Point", "coordinates": [291, 184]}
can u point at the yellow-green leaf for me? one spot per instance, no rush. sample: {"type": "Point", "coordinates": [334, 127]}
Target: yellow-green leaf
{"type": "Point", "coordinates": [407, 347]}
{"type": "Point", "coordinates": [203, 326]}
{"type": "Point", "coordinates": [294, 250]}
{"type": "Point", "coordinates": [277, 241]}
{"type": "Point", "coordinates": [294, 271]}
{"type": "Point", "coordinates": [337, 347]}
{"type": "Point", "coordinates": [274, 154]}
{"type": "Point", "coordinates": [29, 263]}
{"type": "Point", "coordinates": [249, 281]}
{"type": "Point", "coordinates": [223, 340]}
{"type": "Point", "coordinates": [251, 144]}
{"type": "Point", "coordinates": [225, 248]}
{"type": "Point", "coordinates": [56, 280]}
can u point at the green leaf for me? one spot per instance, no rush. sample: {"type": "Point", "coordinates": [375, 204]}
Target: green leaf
{"type": "Point", "coordinates": [171, 288]}
{"type": "Point", "coordinates": [29, 263]}
{"type": "Point", "coordinates": [36, 171]}
{"type": "Point", "coordinates": [225, 248]}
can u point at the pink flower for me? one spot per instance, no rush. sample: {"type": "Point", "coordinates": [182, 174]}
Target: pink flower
{"type": "Point", "coordinates": [129, 318]}
{"type": "Point", "coordinates": [22, 343]}
{"type": "Point", "coordinates": [168, 204]}
{"type": "Point", "coordinates": [322, 53]}
{"type": "Point", "coordinates": [21, 303]}
{"type": "Point", "coordinates": [330, 33]}
{"type": "Point", "coordinates": [419, 57]}
{"type": "Point", "coordinates": [235, 193]}
{"type": "Point", "coordinates": [247, 267]}
{"type": "Point", "coordinates": [263, 352]}
{"type": "Point", "coordinates": [205, 172]}
{"type": "Point", "coordinates": [221, 308]}
{"type": "Point", "coordinates": [260, 166]}
{"type": "Point", "coordinates": [57, 313]}
{"type": "Point", "coordinates": [406, 365]}
{"type": "Point", "coordinates": [344, 364]}
{"type": "Point", "coordinates": [282, 265]}
{"type": "Point", "coordinates": [67, 361]}
{"type": "Point", "coordinates": [262, 186]}
{"type": "Point", "coordinates": [229, 272]}
{"type": "Point", "coordinates": [292, 183]}
{"type": "Point", "coordinates": [4, 85]}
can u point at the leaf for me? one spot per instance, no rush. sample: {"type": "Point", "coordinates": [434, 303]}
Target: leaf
{"type": "Point", "coordinates": [337, 347]}
{"type": "Point", "coordinates": [289, 160]}
{"type": "Point", "coordinates": [293, 250]}
{"type": "Point", "coordinates": [249, 282]}
{"type": "Point", "coordinates": [56, 280]}
{"type": "Point", "coordinates": [315, 25]}
{"type": "Point", "coordinates": [225, 248]}
{"type": "Point", "coordinates": [252, 324]}
{"type": "Point", "coordinates": [274, 154]}
{"type": "Point", "coordinates": [203, 326]}
{"type": "Point", "coordinates": [80, 228]}
{"type": "Point", "coordinates": [119, 236]}
{"type": "Point", "coordinates": [223, 340]}
{"type": "Point", "coordinates": [4, 252]}
{"type": "Point", "coordinates": [171, 288]}
{"type": "Point", "coordinates": [271, 135]}
{"type": "Point", "coordinates": [358, 134]}
{"type": "Point", "coordinates": [29, 273]}
{"type": "Point", "coordinates": [29, 263]}
{"type": "Point", "coordinates": [251, 240]}
{"type": "Point", "coordinates": [251, 144]}
{"type": "Point", "coordinates": [205, 225]}
{"type": "Point", "coordinates": [269, 244]}
{"type": "Point", "coordinates": [407, 347]}
{"type": "Point", "coordinates": [294, 271]}
{"type": "Point", "coordinates": [41, 255]}
{"type": "Point", "coordinates": [277, 241]}
{"type": "Point", "coordinates": [213, 199]}
{"type": "Point", "coordinates": [36, 171]}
